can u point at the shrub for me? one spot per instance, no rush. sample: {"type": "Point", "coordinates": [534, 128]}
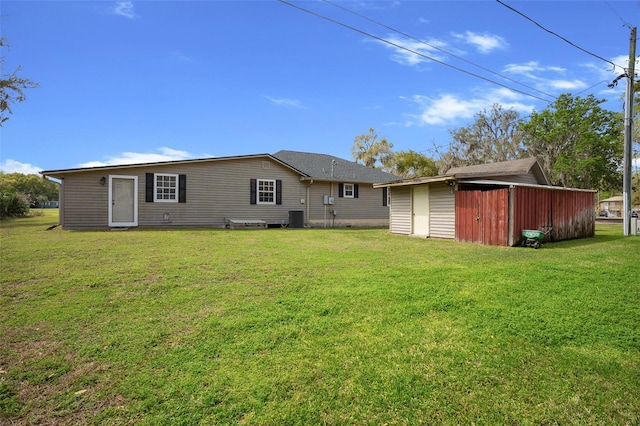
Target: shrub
{"type": "Point", "coordinates": [13, 205]}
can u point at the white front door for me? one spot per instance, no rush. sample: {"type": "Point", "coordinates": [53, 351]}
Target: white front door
{"type": "Point", "coordinates": [421, 210]}
{"type": "Point", "coordinates": [123, 201]}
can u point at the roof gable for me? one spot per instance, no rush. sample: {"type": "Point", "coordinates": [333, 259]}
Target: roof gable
{"type": "Point", "coordinates": [328, 167]}
{"type": "Point", "coordinates": [525, 166]}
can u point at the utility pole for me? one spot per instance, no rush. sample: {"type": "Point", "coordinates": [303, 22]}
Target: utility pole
{"type": "Point", "coordinates": [628, 135]}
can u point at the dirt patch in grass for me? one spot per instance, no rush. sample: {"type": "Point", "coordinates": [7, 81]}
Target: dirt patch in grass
{"type": "Point", "coordinates": [45, 383]}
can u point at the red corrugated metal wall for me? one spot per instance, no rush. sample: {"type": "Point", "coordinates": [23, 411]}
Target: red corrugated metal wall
{"type": "Point", "coordinates": [573, 215]}
{"type": "Point", "coordinates": [497, 217]}
{"type": "Point", "coordinates": [467, 211]}
{"type": "Point", "coordinates": [570, 213]}
{"type": "Point", "coordinates": [531, 210]}
{"type": "Point", "coordinates": [483, 216]}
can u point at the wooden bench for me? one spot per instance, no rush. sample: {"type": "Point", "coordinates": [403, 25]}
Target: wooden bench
{"type": "Point", "coordinates": [245, 224]}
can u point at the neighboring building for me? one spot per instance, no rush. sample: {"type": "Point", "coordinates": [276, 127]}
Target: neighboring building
{"type": "Point", "coordinates": [489, 204]}
{"type": "Point", "coordinates": [611, 207]}
{"type": "Point", "coordinates": [45, 205]}
{"type": "Point", "coordinates": [261, 190]}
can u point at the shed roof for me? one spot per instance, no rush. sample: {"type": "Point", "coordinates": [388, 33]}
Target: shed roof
{"type": "Point", "coordinates": [329, 168]}
{"type": "Point", "coordinates": [503, 168]}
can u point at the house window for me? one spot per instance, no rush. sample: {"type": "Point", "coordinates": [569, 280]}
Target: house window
{"type": "Point", "coordinates": [348, 190]}
{"type": "Point", "coordinates": [266, 191]}
{"type": "Point", "coordinates": [166, 188]}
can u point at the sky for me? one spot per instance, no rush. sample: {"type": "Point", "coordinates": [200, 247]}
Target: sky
{"type": "Point", "coordinates": [124, 82]}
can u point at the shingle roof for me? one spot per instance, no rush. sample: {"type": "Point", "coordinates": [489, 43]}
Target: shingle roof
{"type": "Point", "coordinates": [328, 167]}
{"type": "Point", "coordinates": [504, 168]}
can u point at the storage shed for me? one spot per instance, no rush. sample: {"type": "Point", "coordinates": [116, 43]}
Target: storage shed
{"type": "Point", "coordinates": [490, 204]}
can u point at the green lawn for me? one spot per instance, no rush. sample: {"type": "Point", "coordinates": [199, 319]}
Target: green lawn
{"type": "Point", "coordinates": [287, 326]}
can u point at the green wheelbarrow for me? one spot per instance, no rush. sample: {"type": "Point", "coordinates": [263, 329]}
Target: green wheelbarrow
{"type": "Point", "coordinates": [533, 238]}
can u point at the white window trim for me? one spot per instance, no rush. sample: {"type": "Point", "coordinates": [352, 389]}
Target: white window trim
{"type": "Point", "coordinates": [344, 190]}
{"type": "Point", "coordinates": [258, 181]}
{"type": "Point", "coordinates": [155, 187]}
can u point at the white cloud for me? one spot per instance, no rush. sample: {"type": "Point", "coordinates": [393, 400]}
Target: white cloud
{"type": "Point", "coordinates": [13, 166]}
{"type": "Point", "coordinates": [408, 57]}
{"type": "Point", "coordinates": [165, 154]}
{"type": "Point", "coordinates": [405, 47]}
{"type": "Point", "coordinates": [286, 102]}
{"type": "Point", "coordinates": [547, 77]}
{"type": "Point", "coordinates": [124, 8]}
{"type": "Point", "coordinates": [623, 61]}
{"type": "Point", "coordinates": [451, 108]}
{"type": "Point", "coordinates": [532, 69]}
{"type": "Point", "coordinates": [567, 85]}
{"type": "Point", "coordinates": [484, 43]}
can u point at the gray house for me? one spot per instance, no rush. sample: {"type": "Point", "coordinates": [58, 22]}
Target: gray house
{"type": "Point", "coordinates": [287, 188]}
{"type": "Point", "coordinates": [489, 204]}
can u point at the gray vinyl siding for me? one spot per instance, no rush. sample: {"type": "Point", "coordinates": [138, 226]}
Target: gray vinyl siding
{"type": "Point", "coordinates": [84, 201]}
{"type": "Point", "coordinates": [217, 190]}
{"type": "Point", "coordinates": [442, 211]}
{"type": "Point", "coordinates": [400, 217]}
{"type": "Point", "coordinates": [366, 210]}
{"type": "Point", "coordinates": [526, 179]}
{"type": "Point", "coordinates": [318, 214]}
{"type": "Point", "coordinates": [221, 190]}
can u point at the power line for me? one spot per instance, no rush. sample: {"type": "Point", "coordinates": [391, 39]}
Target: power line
{"type": "Point", "coordinates": [624, 23]}
{"type": "Point", "coordinates": [591, 87]}
{"type": "Point", "coordinates": [557, 35]}
{"type": "Point", "coordinates": [436, 48]}
{"type": "Point", "coordinates": [409, 50]}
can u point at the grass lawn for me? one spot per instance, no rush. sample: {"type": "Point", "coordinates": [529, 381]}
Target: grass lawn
{"type": "Point", "coordinates": [288, 326]}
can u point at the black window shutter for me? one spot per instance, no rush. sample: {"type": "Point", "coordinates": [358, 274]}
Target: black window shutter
{"type": "Point", "coordinates": [253, 191]}
{"type": "Point", "coordinates": [182, 188]}
{"type": "Point", "coordinates": [355, 190]}
{"type": "Point", "coordinates": [278, 191]}
{"type": "Point", "coordinates": [341, 190]}
{"type": "Point", "coordinates": [385, 196]}
{"type": "Point", "coordinates": [149, 187]}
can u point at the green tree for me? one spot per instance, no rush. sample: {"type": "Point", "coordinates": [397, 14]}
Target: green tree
{"type": "Point", "coordinates": [11, 88]}
{"type": "Point", "coordinates": [32, 188]}
{"type": "Point", "coordinates": [494, 136]}
{"type": "Point", "coordinates": [12, 204]}
{"type": "Point", "coordinates": [410, 164]}
{"type": "Point", "coordinates": [371, 151]}
{"type": "Point", "coordinates": [577, 143]}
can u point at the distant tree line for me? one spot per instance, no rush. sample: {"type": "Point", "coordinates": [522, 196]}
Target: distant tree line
{"type": "Point", "coordinates": [20, 192]}
{"type": "Point", "coordinates": [577, 142]}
